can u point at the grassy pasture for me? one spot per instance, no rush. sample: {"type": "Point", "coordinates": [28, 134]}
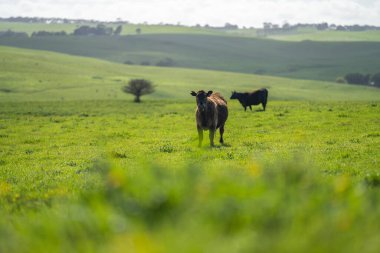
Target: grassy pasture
{"type": "Point", "coordinates": [83, 169]}
{"type": "Point", "coordinates": [29, 75]}
{"type": "Point", "coordinates": [315, 35]}
{"type": "Point", "coordinates": [298, 173]}
{"type": "Point", "coordinates": [302, 60]}
{"type": "Point", "coordinates": [128, 29]}
{"type": "Point", "coordinates": [29, 28]}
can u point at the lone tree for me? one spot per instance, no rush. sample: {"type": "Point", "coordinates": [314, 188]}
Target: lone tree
{"type": "Point", "coordinates": [139, 87]}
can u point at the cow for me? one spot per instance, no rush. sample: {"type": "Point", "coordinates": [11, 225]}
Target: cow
{"type": "Point", "coordinates": [211, 114]}
{"type": "Point", "coordinates": [251, 98]}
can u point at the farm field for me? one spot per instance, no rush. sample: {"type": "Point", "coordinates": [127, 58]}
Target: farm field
{"type": "Point", "coordinates": [330, 36]}
{"type": "Point", "coordinates": [130, 29]}
{"type": "Point", "coordinates": [300, 60]}
{"type": "Point", "coordinates": [127, 29]}
{"type": "Point", "coordinates": [84, 169]}
{"type": "Point", "coordinates": [110, 175]}
{"type": "Point", "coordinates": [29, 75]}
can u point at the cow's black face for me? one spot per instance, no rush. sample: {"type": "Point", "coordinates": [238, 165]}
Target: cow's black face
{"type": "Point", "coordinates": [201, 98]}
{"type": "Point", "coordinates": [234, 95]}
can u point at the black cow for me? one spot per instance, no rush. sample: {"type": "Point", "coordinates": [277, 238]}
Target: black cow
{"type": "Point", "coordinates": [251, 98]}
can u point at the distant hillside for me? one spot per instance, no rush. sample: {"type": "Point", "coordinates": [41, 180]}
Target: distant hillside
{"type": "Point", "coordinates": [315, 35]}
{"type": "Point", "coordinates": [127, 29]}
{"type": "Point", "coordinates": [287, 32]}
{"type": "Point", "coordinates": [28, 75]}
{"type": "Point", "coordinates": [302, 60]}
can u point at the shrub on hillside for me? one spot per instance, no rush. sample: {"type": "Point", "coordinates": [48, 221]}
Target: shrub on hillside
{"type": "Point", "coordinates": [167, 62]}
{"type": "Point", "coordinates": [357, 78]}
{"type": "Point", "coordinates": [340, 80]}
{"type": "Point", "coordinates": [145, 63]}
{"type": "Point", "coordinates": [45, 33]}
{"type": "Point", "coordinates": [375, 79]}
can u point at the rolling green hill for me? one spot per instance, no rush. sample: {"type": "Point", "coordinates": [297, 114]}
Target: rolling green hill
{"type": "Point", "coordinates": [84, 169]}
{"type": "Point", "coordinates": [315, 35]}
{"type": "Point", "coordinates": [28, 75]}
{"type": "Point", "coordinates": [300, 34]}
{"type": "Point", "coordinates": [302, 60]}
{"type": "Point", "coordinates": [128, 29]}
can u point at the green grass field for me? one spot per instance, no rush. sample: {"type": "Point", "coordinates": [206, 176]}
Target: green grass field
{"type": "Point", "coordinates": [298, 173]}
{"type": "Point", "coordinates": [29, 75]}
{"type": "Point", "coordinates": [128, 29]}
{"type": "Point", "coordinates": [84, 169]}
{"type": "Point", "coordinates": [330, 36]}
{"type": "Point", "coordinates": [302, 60]}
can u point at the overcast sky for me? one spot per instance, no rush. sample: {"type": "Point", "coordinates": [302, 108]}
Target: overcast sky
{"type": "Point", "coordinates": [213, 12]}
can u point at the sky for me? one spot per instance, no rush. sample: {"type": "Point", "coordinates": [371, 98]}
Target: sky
{"type": "Point", "coordinates": [213, 12]}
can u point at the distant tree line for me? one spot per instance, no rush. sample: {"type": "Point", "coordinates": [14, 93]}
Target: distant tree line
{"type": "Point", "coordinates": [166, 62]}
{"type": "Point", "coordinates": [361, 79]}
{"type": "Point", "coordinates": [100, 29]}
{"type": "Point", "coordinates": [12, 34]}
{"type": "Point", "coordinates": [45, 33]}
{"type": "Point", "coordinates": [271, 28]}
{"type": "Point", "coordinates": [85, 30]}
{"type": "Point", "coordinates": [267, 26]}
{"type": "Point", "coordinates": [59, 20]}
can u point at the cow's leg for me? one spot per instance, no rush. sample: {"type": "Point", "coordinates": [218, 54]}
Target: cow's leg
{"type": "Point", "coordinates": [221, 131]}
{"type": "Point", "coordinates": [200, 136]}
{"type": "Point", "coordinates": [245, 108]}
{"type": "Point", "coordinates": [211, 135]}
{"type": "Point", "coordinates": [250, 107]}
{"type": "Point", "coordinates": [264, 105]}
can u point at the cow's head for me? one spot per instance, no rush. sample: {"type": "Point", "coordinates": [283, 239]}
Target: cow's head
{"type": "Point", "coordinates": [234, 95]}
{"type": "Point", "coordinates": [201, 97]}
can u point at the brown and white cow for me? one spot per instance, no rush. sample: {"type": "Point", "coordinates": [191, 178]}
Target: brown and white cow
{"type": "Point", "coordinates": [211, 114]}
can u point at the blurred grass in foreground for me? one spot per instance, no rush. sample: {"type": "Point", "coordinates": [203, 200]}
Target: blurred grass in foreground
{"type": "Point", "coordinates": [285, 208]}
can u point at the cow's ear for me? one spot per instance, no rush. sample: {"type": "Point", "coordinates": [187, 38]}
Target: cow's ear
{"type": "Point", "coordinates": [193, 93]}
{"type": "Point", "coordinates": [209, 93]}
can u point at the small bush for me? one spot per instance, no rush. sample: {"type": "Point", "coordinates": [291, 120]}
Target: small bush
{"type": "Point", "coordinates": [145, 63]}
{"type": "Point", "coordinates": [167, 62]}
{"type": "Point", "coordinates": [260, 72]}
{"type": "Point", "coordinates": [340, 80]}
{"type": "Point", "coordinates": [5, 90]}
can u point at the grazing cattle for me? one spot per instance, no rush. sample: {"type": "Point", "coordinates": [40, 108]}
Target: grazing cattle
{"type": "Point", "coordinates": [211, 114]}
{"type": "Point", "coordinates": [251, 98]}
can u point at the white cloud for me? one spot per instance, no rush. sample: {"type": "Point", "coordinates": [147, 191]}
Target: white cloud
{"type": "Point", "coordinates": [214, 12]}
